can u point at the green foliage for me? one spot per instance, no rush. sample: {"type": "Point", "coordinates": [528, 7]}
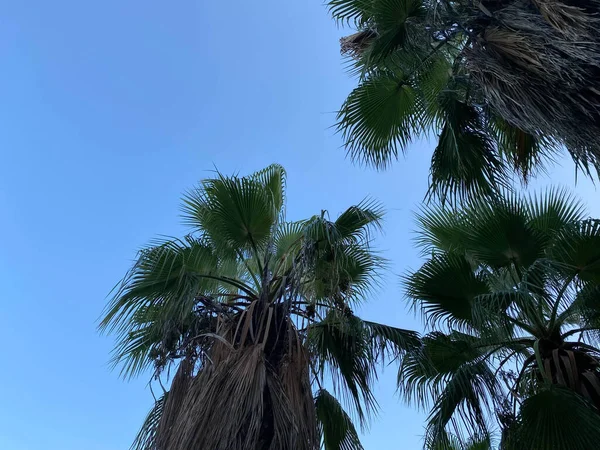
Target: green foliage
{"type": "Point", "coordinates": [444, 287]}
{"type": "Point", "coordinates": [518, 277]}
{"type": "Point", "coordinates": [336, 426]}
{"type": "Point", "coordinates": [385, 133]}
{"type": "Point", "coordinates": [555, 418]}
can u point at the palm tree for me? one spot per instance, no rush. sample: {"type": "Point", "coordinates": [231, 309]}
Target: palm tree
{"type": "Point", "coordinates": [253, 315]}
{"type": "Point", "coordinates": [504, 83]}
{"type": "Point", "coordinates": [510, 293]}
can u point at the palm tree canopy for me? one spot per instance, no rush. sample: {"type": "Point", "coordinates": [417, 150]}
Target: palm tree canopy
{"type": "Point", "coordinates": [253, 314]}
{"type": "Point", "coordinates": [510, 293]}
{"type": "Point", "coordinates": [504, 85]}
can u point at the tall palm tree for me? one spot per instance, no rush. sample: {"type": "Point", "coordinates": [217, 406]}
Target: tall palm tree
{"type": "Point", "coordinates": [510, 294]}
{"type": "Point", "coordinates": [253, 315]}
{"type": "Point", "coordinates": [504, 83]}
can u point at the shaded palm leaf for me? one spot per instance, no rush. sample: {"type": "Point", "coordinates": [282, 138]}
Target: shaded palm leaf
{"type": "Point", "coordinates": [337, 429]}
{"type": "Point", "coordinates": [444, 289]}
{"type": "Point", "coordinates": [555, 418]}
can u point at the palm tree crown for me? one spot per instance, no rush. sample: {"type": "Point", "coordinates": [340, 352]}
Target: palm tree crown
{"type": "Point", "coordinates": [252, 313]}
{"type": "Point", "coordinates": [505, 83]}
{"type": "Point", "coordinates": [510, 292]}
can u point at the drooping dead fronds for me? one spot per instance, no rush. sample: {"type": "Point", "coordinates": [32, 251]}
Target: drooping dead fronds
{"type": "Point", "coordinates": [539, 70]}
{"type": "Point", "coordinates": [255, 392]}
{"type": "Point", "coordinates": [355, 44]}
{"type": "Point", "coordinates": [177, 394]}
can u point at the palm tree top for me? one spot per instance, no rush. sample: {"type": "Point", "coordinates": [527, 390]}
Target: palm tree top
{"type": "Point", "coordinates": [254, 315]}
{"type": "Point", "coordinates": [503, 87]}
{"type": "Point", "coordinates": [510, 296]}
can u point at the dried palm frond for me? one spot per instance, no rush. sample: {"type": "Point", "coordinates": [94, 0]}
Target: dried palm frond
{"type": "Point", "coordinates": [177, 394]}
{"type": "Point", "coordinates": [355, 44]}
{"type": "Point", "coordinates": [267, 406]}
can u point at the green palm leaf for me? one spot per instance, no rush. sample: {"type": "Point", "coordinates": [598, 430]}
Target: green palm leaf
{"type": "Point", "coordinates": [338, 344]}
{"type": "Point", "coordinates": [444, 289]}
{"type": "Point", "coordinates": [236, 212]}
{"type": "Point", "coordinates": [557, 419]}
{"type": "Point", "coordinates": [519, 278]}
{"type": "Point", "coordinates": [517, 84]}
{"type": "Point", "coordinates": [553, 210]}
{"type": "Point", "coordinates": [465, 161]}
{"type": "Point", "coordinates": [578, 248]}
{"type": "Point", "coordinates": [378, 119]}
{"type": "Point", "coordinates": [337, 429]}
{"type": "Point", "coordinates": [357, 221]}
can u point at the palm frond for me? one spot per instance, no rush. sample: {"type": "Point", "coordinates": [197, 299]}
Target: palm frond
{"type": "Point", "coordinates": [379, 119]}
{"type": "Point", "coordinates": [146, 437]}
{"type": "Point", "coordinates": [425, 368]}
{"type": "Point", "coordinates": [337, 430]}
{"type": "Point", "coordinates": [578, 249]}
{"type": "Point", "coordinates": [466, 401]}
{"type": "Point", "coordinates": [236, 212]}
{"type": "Point", "coordinates": [338, 345]}
{"type": "Point", "coordinates": [440, 228]}
{"type": "Point", "coordinates": [525, 84]}
{"type": "Point", "coordinates": [355, 11]}
{"type": "Point", "coordinates": [553, 210]}
{"type": "Point", "coordinates": [389, 341]}
{"type": "Point", "coordinates": [357, 221]}
{"type": "Point", "coordinates": [444, 289]}
{"type": "Point", "coordinates": [273, 178]}
{"type": "Point", "coordinates": [392, 20]}
{"type": "Point", "coordinates": [526, 152]}
{"type": "Point", "coordinates": [465, 162]}
{"type": "Point", "coordinates": [161, 271]}
{"type": "Point", "coordinates": [556, 419]}
{"type": "Point", "coordinates": [500, 233]}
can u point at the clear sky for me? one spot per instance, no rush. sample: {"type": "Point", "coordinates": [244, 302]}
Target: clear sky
{"type": "Point", "coordinates": [109, 111]}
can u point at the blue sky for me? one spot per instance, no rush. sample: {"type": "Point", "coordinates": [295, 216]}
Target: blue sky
{"type": "Point", "coordinates": [110, 110]}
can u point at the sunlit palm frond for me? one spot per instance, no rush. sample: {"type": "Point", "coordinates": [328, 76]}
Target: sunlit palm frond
{"type": "Point", "coordinates": [238, 213]}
